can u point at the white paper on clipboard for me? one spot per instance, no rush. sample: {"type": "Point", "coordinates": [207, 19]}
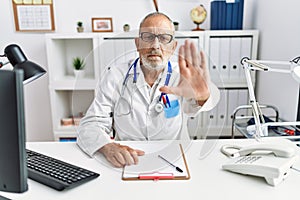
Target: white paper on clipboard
{"type": "Point", "coordinates": [150, 163]}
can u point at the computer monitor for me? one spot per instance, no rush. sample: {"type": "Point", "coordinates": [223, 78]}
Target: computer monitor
{"type": "Point", "coordinates": [13, 167]}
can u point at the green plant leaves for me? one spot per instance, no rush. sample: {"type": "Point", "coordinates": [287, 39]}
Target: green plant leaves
{"type": "Point", "coordinates": [78, 63]}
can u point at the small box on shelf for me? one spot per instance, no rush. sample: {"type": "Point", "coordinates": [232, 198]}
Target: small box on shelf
{"type": "Point", "coordinates": [67, 139]}
{"type": "Point", "coordinates": [66, 122]}
{"type": "Point", "coordinates": [76, 121]}
{"type": "Point", "coordinates": [72, 120]}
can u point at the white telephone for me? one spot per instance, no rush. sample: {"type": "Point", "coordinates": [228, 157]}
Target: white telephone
{"type": "Point", "coordinates": [271, 161]}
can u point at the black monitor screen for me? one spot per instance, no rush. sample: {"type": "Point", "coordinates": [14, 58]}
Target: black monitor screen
{"type": "Point", "coordinates": [13, 170]}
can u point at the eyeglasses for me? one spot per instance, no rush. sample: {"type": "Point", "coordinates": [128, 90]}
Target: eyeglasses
{"type": "Point", "coordinates": [162, 38]}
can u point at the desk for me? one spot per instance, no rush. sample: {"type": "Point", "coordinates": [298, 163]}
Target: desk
{"type": "Point", "coordinates": [208, 180]}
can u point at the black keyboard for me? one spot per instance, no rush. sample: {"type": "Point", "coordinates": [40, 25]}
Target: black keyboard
{"type": "Point", "coordinates": [56, 173]}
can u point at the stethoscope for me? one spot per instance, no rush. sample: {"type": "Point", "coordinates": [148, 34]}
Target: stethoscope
{"type": "Point", "coordinates": [163, 100]}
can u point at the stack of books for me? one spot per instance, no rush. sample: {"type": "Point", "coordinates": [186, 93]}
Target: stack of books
{"type": "Point", "coordinates": [226, 14]}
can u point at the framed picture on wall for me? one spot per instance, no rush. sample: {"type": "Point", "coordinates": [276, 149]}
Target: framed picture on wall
{"type": "Point", "coordinates": [102, 24]}
{"type": "Point", "coordinates": [33, 15]}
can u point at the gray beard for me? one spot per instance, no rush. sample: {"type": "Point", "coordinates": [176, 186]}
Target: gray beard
{"type": "Point", "coordinates": [151, 66]}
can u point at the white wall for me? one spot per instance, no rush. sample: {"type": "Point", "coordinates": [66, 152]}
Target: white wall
{"type": "Point", "coordinates": [278, 22]}
{"type": "Point", "coordinates": [67, 13]}
{"type": "Point", "coordinates": [37, 110]}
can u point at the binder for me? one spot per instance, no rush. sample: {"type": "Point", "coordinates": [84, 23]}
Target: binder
{"type": "Point", "coordinates": [214, 60]}
{"type": "Point", "coordinates": [221, 16]}
{"type": "Point", "coordinates": [224, 58]}
{"type": "Point", "coordinates": [237, 97]}
{"type": "Point", "coordinates": [210, 119]}
{"type": "Point", "coordinates": [246, 48]}
{"type": "Point", "coordinates": [130, 50]}
{"type": "Point", "coordinates": [227, 14]}
{"type": "Point", "coordinates": [107, 49]}
{"type": "Point", "coordinates": [214, 16]}
{"type": "Point", "coordinates": [243, 100]}
{"type": "Point", "coordinates": [235, 59]}
{"type": "Point", "coordinates": [193, 125]}
{"type": "Point", "coordinates": [151, 167]}
{"type": "Point", "coordinates": [180, 41]}
{"type": "Point", "coordinates": [222, 108]}
{"type": "Point", "coordinates": [119, 49]}
{"type": "Point", "coordinates": [228, 24]}
{"type": "Point", "coordinates": [233, 103]}
{"type": "Point", "coordinates": [240, 14]}
{"type": "Point", "coordinates": [235, 8]}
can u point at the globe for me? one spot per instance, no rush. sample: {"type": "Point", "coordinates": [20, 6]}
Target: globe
{"type": "Point", "coordinates": [198, 15]}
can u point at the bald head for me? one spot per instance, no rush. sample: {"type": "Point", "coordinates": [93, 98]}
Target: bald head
{"type": "Point", "coordinates": [155, 19]}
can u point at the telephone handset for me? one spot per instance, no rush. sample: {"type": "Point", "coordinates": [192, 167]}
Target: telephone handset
{"type": "Point", "coordinates": [276, 149]}
{"type": "Point", "coordinates": [271, 161]}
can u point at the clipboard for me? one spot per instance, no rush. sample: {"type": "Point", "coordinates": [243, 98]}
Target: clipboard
{"type": "Point", "coordinates": [151, 167]}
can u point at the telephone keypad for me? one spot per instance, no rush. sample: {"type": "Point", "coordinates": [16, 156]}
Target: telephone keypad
{"type": "Point", "coordinates": [248, 159]}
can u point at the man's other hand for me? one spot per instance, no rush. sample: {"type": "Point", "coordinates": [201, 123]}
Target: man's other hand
{"type": "Point", "coordinates": [121, 155]}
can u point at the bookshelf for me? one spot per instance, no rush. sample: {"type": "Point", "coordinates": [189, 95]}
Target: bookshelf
{"type": "Point", "coordinates": [71, 97]}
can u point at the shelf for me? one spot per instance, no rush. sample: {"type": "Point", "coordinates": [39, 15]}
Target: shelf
{"type": "Point", "coordinates": [65, 135]}
{"type": "Point", "coordinates": [242, 85]}
{"type": "Point", "coordinates": [71, 83]}
{"type": "Point", "coordinates": [61, 51]}
{"type": "Point", "coordinates": [68, 103]}
{"type": "Point", "coordinates": [230, 33]}
{"type": "Point", "coordinates": [66, 129]}
{"type": "Point", "coordinates": [68, 36]}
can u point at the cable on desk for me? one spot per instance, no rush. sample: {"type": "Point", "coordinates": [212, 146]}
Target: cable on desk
{"type": "Point", "coordinates": [298, 170]}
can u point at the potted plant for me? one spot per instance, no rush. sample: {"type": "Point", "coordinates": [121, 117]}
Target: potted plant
{"type": "Point", "coordinates": [78, 64]}
{"type": "Point", "coordinates": [80, 27]}
{"type": "Point", "coordinates": [176, 25]}
{"type": "Point", "coordinates": [126, 27]}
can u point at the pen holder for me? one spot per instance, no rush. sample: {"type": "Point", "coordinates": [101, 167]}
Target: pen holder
{"type": "Point", "coordinates": [173, 110]}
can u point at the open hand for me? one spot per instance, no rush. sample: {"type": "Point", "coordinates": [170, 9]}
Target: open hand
{"type": "Point", "coordinates": [194, 76]}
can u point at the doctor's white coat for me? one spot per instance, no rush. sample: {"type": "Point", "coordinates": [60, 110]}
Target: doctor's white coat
{"type": "Point", "coordinates": [128, 109]}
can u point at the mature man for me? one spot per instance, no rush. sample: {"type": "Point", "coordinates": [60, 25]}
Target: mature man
{"type": "Point", "coordinates": [148, 100]}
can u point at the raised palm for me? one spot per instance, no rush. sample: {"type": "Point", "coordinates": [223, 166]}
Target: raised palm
{"type": "Point", "coordinates": [193, 74]}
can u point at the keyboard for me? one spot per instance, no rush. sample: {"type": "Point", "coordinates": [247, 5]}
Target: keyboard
{"type": "Point", "coordinates": [56, 173]}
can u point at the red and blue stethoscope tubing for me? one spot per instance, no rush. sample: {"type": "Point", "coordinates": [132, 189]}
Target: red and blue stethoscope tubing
{"type": "Point", "coordinates": [163, 96]}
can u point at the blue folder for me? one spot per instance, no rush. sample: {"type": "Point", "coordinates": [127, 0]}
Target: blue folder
{"type": "Point", "coordinates": [240, 14]}
{"type": "Point", "coordinates": [228, 24]}
{"type": "Point", "coordinates": [226, 16]}
{"type": "Point", "coordinates": [215, 15]}
{"type": "Point", "coordinates": [223, 15]}
{"type": "Point", "coordinates": [235, 9]}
